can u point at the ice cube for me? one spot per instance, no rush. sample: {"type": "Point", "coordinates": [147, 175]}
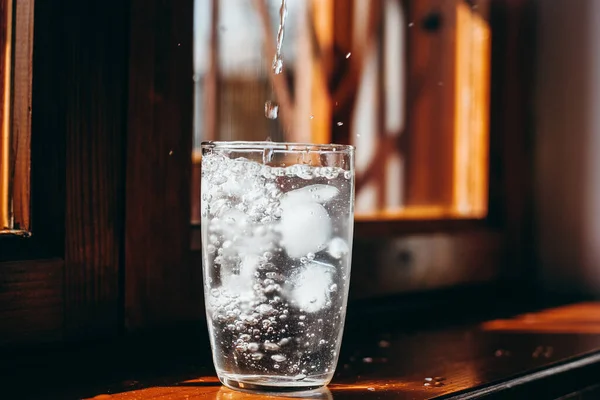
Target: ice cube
{"type": "Point", "coordinates": [314, 193]}
{"type": "Point", "coordinates": [249, 265]}
{"type": "Point", "coordinates": [338, 248]}
{"type": "Point", "coordinates": [236, 185]}
{"type": "Point", "coordinates": [304, 227]}
{"type": "Point", "coordinates": [309, 287]}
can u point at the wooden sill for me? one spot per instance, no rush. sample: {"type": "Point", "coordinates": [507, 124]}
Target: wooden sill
{"type": "Point", "coordinates": [541, 354]}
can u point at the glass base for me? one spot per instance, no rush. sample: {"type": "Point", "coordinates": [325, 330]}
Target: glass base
{"type": "Point", "coordinates": [272, 384]}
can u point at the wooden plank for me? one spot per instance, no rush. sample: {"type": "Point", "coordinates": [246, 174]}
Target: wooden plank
{"type": "Point", "coordinates": [471, 113]}
{"type": "Point", "coordinates": [161, 286]}
{"type": "Point", "coordinates": [95, 64]}
{"type": "Point", "coordinates": [31, 302]}
{"type": "Point", "coordinates": [430, 100]}
{"type": "Point", "coordinates": [21, 114]}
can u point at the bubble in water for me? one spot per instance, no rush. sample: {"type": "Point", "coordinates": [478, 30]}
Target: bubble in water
{"type": "Point", "coordinates": [300, 377]}
{"type": "Point", "coordinates": [276, 366]}
{"type": "Point", "coordinates": [270, 346]}
{"type": "Point", "coordinates": [310, 256]}
{"type": "Point", "coordinates": [215, 292]}
{"type": "Point", "coordinates": [253, 347]}
{"type": "Point", "coordinates": [271, 110]}
{"type": "Point", "coordinates": [333, 288]}
{"type": "Point", "coordinates": [257, 356]}
{"type": "Point", "coordinates": [347, 174]}
{"type": "Point", "coordinates": [278, 357]}
{"type": "Point", "coordinates": [322, 341]}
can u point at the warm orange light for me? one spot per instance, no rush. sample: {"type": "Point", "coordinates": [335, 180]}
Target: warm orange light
{"type": "Point", "coordinates": [5, 133]}
{"type": "Point", "coordinates": [581, 318]}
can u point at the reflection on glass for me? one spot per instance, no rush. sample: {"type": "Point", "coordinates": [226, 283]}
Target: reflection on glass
{"type": "Point", "coordinates": [406, 82]}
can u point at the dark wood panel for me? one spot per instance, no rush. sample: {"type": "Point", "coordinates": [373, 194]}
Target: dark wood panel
{"type": "Point", "coordinates": [31, 301]}
{"type": "Point", "coordinates": [161, 285]}
{"type": "Point", "coordinates": [511, 130]}
{"type": "Point", "coordinates": [95, 91]}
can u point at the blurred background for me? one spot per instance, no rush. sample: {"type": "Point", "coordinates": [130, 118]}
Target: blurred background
{"type": "Point", "coordinates": [474, 122]}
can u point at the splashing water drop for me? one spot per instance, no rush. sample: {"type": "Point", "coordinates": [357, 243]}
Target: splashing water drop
{"type": "Point", "coordinates": [277, 60]}
{"type": "Point", "coordinates": [267, 155]}
{"type": "Point", "coordinates": [271, 110]}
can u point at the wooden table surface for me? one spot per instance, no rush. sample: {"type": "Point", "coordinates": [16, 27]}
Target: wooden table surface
{"type": "Point", "coordinates": [550, 352]}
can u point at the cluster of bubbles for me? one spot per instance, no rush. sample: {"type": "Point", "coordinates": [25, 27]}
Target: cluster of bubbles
{"type": "Point", "coordinates": [262, 242]}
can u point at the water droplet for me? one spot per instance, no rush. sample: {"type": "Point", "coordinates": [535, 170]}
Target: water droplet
{"type": "Point", "coordinates": [348, 55]}
{"type": "Point", "coordinates": [384, 344]}
{"type": "Point", "coordinates": [311, 117]}
{"type": "Point", "coordinates": [271, 110]}
{"type": "Point", "coordinates": [367, 360]}
{"type": "Point", "coordinates": [170, 152]}
{"type": "Point", "coordinates": [371, 389]}
{"type": "Point", "coordinates": [277, 65]}
{"type": "Point", "coordinates": [411, 24]}
{"type": "Point", "coordinates": [340, 123]}
{"type": "Point", "coordinates": [428, 379]}
{"type": "Point", "coordinates": [278, 357]}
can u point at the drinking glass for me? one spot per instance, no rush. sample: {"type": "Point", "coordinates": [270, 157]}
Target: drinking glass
{"type": "Point", "coordinates": [277, 223]}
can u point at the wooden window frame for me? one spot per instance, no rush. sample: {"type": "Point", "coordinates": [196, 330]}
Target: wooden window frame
{"type": "Point", "coordinates": [16, 39]}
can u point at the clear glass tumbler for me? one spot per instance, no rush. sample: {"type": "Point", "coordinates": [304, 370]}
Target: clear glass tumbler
{"type": "Point", "coordinates": [277, 224]}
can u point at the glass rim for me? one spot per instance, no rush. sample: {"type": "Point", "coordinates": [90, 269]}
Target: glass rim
{"type": "Point", "coordinates": [284, 146]}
